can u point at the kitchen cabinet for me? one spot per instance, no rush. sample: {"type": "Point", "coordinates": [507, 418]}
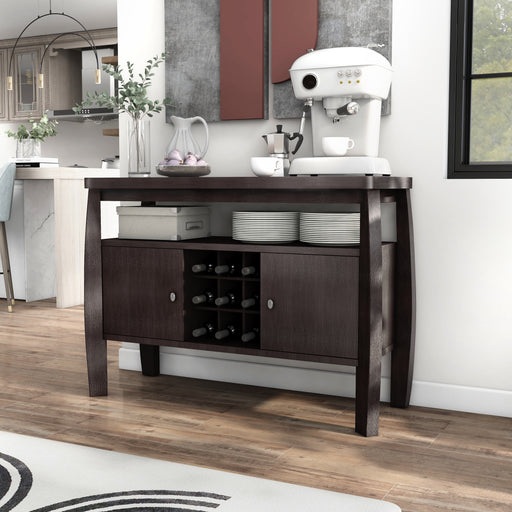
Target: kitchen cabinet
{"type": "Point", "coordinates": [62, 69]}
{"type": "Point", "coordinates": [26, 99]}
{"type": "Point", "coordinates": [63, 87]}
{"type": "Point", "coordinates": [339, 305]}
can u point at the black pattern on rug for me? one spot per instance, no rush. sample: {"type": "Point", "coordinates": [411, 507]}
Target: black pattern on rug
{"type": "Point", "coordinates": [134, 500]}
{"type": "Point", "coordinates": [16, 481]}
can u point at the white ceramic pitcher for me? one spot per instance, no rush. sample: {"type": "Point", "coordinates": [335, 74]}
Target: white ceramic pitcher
{"type": "Point", "coordinates": [183, 139]}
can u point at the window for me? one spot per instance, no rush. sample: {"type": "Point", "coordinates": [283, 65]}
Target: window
{"type": "Point", "coordinates": [480, 117]}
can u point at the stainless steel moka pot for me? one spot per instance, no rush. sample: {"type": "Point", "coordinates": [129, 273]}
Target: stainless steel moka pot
{"type": "Point", "coordinates": [278, 145]}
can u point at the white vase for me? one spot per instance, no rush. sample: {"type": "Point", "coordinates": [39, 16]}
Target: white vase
{"type": "Point", "coordinates": [28, 148]}
{"type": "Point", "coordinates": [139, 158]}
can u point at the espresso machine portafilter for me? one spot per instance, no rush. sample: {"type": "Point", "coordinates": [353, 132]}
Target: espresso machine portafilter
{"type": "Point", "coordinates": [344, 89]}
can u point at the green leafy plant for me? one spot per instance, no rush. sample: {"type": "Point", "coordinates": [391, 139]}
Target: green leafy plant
{"type": "Point", "coordinates": [132, 96]}
{"type": "Point", "coordinates": [39, 130]}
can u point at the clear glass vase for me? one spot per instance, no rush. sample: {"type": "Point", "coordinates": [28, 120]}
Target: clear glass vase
{"type": "Point", "coordinates": [28, 148]}
{"type": "Point", "coordinates": [139, 158]}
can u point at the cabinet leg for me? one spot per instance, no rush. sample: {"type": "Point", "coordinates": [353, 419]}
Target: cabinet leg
{"type": "Point", "coordinates": [402, 356]}
{"type": "Point", "coordinates": [97, 366]}
{"type": "Point", "coordinates": [368, 372]}
{"type": "Point", "coordinates": [150, 360]}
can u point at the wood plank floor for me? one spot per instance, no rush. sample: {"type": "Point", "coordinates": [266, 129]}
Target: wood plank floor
{"type": "Point", "coordinates": [424, 460]}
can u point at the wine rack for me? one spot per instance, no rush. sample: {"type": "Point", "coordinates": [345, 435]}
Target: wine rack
{"type": "Point", "coordinates": [233, 285]}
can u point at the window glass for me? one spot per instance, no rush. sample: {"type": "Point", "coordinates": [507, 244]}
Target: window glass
{"type": "Point", "coordinates": [26, 84]}
{"type": "Point", "coordinates": [491, 120]}
{"type": "Point", "coordinates": [492, 36]}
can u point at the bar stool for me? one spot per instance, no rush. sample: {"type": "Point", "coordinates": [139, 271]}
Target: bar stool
{"type": "Point", "coordinates": [6, 189]}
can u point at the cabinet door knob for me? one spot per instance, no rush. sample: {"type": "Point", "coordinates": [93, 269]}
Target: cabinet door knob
{"type": "Point", "coordinates": [270, 304]}
{"type": "Point", "coordinates": [172, 297]}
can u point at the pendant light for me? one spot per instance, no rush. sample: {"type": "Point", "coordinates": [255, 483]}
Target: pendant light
{"type": "Point", "coordinates": [88, 39]}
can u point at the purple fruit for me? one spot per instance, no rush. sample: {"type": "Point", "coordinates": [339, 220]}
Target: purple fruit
{"type": "Point", "coordinates": [190, 160]}
{"type": "Point", "coordinates": [175, 154]}
{"type": "Point", "coordinates": [201, 162]}
{"type": "Point", "coordinates": [174, 162]}
{"type": "Point", "coordinates": [163, 162]}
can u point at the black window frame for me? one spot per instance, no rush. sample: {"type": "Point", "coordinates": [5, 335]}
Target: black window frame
{"type": "Point", "coordinates": [461, 77]}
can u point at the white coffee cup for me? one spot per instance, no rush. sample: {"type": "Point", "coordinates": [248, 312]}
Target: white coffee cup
{"type": "Point", "coordinates": [337, 146]}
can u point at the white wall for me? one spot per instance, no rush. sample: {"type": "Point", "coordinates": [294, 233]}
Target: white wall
{"type": "Point", "coordinates": [463, 228]}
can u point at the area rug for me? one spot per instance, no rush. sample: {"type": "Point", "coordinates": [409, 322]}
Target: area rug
{"type": "Point", "coordinates": [38, 475]}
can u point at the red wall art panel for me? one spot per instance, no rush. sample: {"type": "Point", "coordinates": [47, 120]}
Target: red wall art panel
{"type": "Point", "coordinates": [242, 66]}
{"type": "Point", "coordinates": [294, 31]}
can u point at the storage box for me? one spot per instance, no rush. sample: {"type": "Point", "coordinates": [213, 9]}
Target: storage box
{"type": "Point", "coordinates": [163, 222]}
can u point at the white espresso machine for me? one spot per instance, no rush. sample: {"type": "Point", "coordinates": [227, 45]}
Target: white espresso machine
{"type": "Point", "coordinates": [344, 88]}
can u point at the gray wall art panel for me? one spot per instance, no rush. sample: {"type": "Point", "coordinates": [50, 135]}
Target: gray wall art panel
{"type": "Point", "coordinates": [192, 40]}
{"type": "Point", "coordinates": [343, 23]}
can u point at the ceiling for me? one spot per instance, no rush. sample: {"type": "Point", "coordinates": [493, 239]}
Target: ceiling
{"type": "Point", "coordinates": [91, 13]}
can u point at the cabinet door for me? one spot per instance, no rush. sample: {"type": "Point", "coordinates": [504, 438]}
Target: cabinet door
{"type": "Point", "coordinates": [25, 100]}
{"type": "Point", "coordinates": [314, 304]}
{"type": "Point", "coordinates": [63, 87]}
{"type": "Point", "coordinates": [143, 292]}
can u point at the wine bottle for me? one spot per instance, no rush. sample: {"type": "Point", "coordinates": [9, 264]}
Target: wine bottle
{"type": "Point", "coordinates": [229, 331]}
{"type": "Point", "coordinates": [203, 331]}
{"type": "Point", "coordinates": [228, 299]}
{"type": "Point", "coordinates": [249, 302]}
{"type": "Point", "coordinates": [248, 271]}
{"type": "Point", "coordinates": [225, 269]}
{"type": "Point", "coordinates": [207, 296]}
{"type": "Point", "coordinates": [202, 267]}
{"type": "Point", "coordinates": [250, 335]}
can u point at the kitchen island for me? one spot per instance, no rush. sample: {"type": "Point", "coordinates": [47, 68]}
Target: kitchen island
{"type": "Point", "coordinates": [46, 232]}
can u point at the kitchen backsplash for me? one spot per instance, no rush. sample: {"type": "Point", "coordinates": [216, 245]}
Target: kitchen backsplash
{"type": "Point", "coordinates": [80, 144]}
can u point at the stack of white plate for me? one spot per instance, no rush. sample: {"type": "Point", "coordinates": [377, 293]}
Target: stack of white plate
{"type": "Point", "coordinates": [267, 227]}
{"type": "Point", "coordinates": [329, 228]}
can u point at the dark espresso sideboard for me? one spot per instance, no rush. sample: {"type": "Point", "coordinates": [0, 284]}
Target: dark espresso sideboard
{"type": "Point", "coordinates": [341, 305]}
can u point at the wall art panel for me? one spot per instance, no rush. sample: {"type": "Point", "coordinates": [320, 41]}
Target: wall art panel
{"type": "Point", "coordinates": [216, 66]}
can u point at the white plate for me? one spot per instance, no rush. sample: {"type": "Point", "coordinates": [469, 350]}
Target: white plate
{"type": "Point", "coordinates": [263, 214]}
{"type": "Point", "coordinates": [312, 215]}
{"type": "Point", "coordinates": [337, 244]}
{"type": "Point", "coordinates": [264, 230]}
{"type": "Point", "coordinates": [333, 232]}
{"type": "Point", "coordinates": [256, 239]}
{"type": "Point", "coordinates": [267, 234]}
{"type": "Point", "coordinates": [328, 238]}
{"type": "Point", "coordinates": [330, 230]}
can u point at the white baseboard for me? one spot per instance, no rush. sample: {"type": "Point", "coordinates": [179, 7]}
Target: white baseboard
{"type": "Point", "coordinates": [314, 378]}
{"type": "Point", "coordinates": [495, 402]}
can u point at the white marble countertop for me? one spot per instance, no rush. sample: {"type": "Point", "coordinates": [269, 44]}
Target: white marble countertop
{"type": "Point", "coordinates": [67, 173]}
